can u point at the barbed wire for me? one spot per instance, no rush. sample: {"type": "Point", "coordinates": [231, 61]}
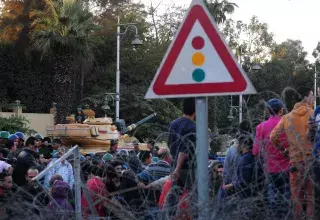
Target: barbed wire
{"type": "Point", "coordinates": [24, 205]}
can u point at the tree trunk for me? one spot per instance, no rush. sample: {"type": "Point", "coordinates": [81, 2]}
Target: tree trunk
{"type": "Point", "coordinates": [82, 83]}
{"type": "Point", "coordinates": [62, 87]}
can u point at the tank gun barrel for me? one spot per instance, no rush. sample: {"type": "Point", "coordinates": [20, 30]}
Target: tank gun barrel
{"type": "Point", "coordinates": [135, 125]}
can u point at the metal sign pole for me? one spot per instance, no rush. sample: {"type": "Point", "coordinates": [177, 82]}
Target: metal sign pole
{"type": "Point", "coordinates": [202, 156]}
{"type": "Point", "coordinates": [77, 184]}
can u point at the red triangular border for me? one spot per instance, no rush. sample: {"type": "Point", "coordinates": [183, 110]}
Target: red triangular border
{"type": "Point", "coordinates": [198, 13]}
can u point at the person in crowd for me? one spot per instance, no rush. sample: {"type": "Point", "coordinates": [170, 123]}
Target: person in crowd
{"type": "Point", "coordinates": [232, 158]}
{"type": "Point", "coordinates": [89, 156]}
{"type": "Point", "coordinates": [13, 138]}
{"type": "Point", "coordinates": [150, 145]}
{"type": "Point", "coordinates": [4, 157]}
{"type": "Point", "coordinates": [114, 184]}
{"type": "Point", "coordinates": [47, 141]}
{"type": "Point", "coordinates": [6, 183]}
{"type": "Point", "coordinates": [25, 160]}
{"type": "Point", "coordinates": [113, 147]}
{"type": "Point", "coordinates": [4, 137]}
{"type": "Point", "coordinates": [54, 178]}
{"type": "Point", "coordinates": [295, 125]}
{"type": "Point", "coordinates": [59, 192]}
{"type": "Point", "coordinates": [39, 138]}
{"type": "Point", "coordinates": [96, 186]}
{"type": "Point", "coordinates": [4, 166]}
{"type": "Point", "coordinates": [276, 163]}
{"type": "Point", "coordinates": [32, 173]}
{"type": "Point", "coordinates": [215, 178]}
{"type": "Point", "coordinates": [12, 155]}
{"type": "Point", "coordinates": [244, 178]}
{"type": "Point", "coordinates": [314, 136]}
{"type": "Point", "coordinates": [182, 144]}
{"type": "Point", "coordinates": [134, 163]}
{"type": "Point", "coordinates": [45, 149]}
{"type": "Point", "coordinates": [136, 149]}
{"type": "Point", "coordinates": [56, 144]}
{"type": "Point", "coordinates": [155, 171]}
{"type": "Point", "coordinates": [33, 192]}
{"type": "Point", "coordinates": [64, 168]}
{"type": "Point", "coordinates": [145, 158]}
{"type": "Point", "coordinates": [80, 117]}
{"type": "Point", "coordinates": [21, 140]}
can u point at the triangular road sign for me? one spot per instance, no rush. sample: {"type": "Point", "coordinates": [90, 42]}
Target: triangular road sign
{"type": "Point", "coordinates": [199, 62]}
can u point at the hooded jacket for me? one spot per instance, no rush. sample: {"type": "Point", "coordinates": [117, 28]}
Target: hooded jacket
{"type": "Point", "coordinates": [59, 193]}
{"type": "Point", "coordinates": [295, 125]}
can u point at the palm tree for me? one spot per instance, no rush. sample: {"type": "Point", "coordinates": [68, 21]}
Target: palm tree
{"type": "Point", "coordinates": [63, 33]}
{"type": "Point", "coordinates": [220, 8]}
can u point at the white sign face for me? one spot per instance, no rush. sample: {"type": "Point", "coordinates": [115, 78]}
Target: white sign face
{"type": "Point", "coordinates": [213, 66]}
{"type": "Point", "coordinates": [199, 62]}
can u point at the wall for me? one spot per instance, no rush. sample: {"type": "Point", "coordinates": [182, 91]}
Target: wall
{"type": "Point", "coordinates": [38, 122]}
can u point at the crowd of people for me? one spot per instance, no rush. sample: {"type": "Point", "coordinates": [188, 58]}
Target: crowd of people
{"type": "Point", "coordinates": [277, 162]}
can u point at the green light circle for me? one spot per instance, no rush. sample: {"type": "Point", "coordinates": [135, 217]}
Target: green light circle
{"type": "Point", "coordinates": [198, 75]}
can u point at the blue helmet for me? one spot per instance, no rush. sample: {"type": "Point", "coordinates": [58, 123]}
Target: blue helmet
{"type": "Point", "coordinates": [20, 135]}
{"type": "Point", "coordinates": [123, 152]}
{"type": "Point", "coordinates": [82, 158]}
{"type": "Point", "coordinates": [13, 137]}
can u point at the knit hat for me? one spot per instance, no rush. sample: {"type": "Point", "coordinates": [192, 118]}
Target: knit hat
{"type": "Point", "coordinates": [274, 105]}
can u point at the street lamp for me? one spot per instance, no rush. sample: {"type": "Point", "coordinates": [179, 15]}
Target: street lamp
{"type": "Point", "coordinates": [255, 67]}
{"type": "Point", "coordinates": [135, 42]}
{"type": "Point", "coordinates": [232, 108]}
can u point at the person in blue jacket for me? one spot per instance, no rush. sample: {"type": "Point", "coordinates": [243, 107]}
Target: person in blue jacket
{"type": "Point", "coordinates": [314, 135]}
{"type": "Point", "coordinates": [244, 178]}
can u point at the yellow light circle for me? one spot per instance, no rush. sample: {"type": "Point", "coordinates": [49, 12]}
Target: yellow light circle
{"type": "Point", "coordinates": [198, 59]}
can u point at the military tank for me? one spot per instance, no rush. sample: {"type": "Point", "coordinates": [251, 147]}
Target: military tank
{"type": "Point", "coordinates": [94, 135]}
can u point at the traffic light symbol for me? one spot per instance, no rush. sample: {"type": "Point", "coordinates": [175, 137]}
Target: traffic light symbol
{"type": "Point", "coordinates": [198, 59]}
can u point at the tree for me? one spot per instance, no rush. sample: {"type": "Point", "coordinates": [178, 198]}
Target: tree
{"type": "Point", "coordinates": [164, 26]}
{"type": "Point", "coordinates": [16, 20]}
{"type": "Point", "coordinates": [251, 42]}
{"type": "Point", "coordinates": [220, 8]}
{"type": "Point", "coordinates": [291, 50]}
{"type": "Point", "coordinates": [63, 33]}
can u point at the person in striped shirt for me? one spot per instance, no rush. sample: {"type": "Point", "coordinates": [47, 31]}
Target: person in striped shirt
{"type": "Point", "coordinates": [155, 171]}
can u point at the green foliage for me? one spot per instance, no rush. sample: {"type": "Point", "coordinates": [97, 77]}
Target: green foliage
{"type": "Point", "coordinates": [14, 124]}
{"type": "Point", "coordinates": [82, 59]}
{"type": "Point", "coordinates": [63, 26]}
{"type": "Point", "coordinates": [251, 42]}
{"type": "Point", "coordinates": [220, 9]}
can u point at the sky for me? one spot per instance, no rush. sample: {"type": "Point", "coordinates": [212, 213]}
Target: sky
{"type": "Point", "coordinates": [294, 19]}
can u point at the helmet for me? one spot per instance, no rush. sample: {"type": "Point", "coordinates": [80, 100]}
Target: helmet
{"type": "Point", "coordinates": [13, 137]}
{"type": "Point", "coordinates": [107, 157]}
{"type": "Point", "coordinates": [5, 134]}
{"type": "Point", "coordinates": [123, 152]}
{"type": "Point", "coordinates": [38, 136]}
{"type": "Point", "coordinates": [20, 135]}
{"type": "Point", "coordinates": [82, 158]}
